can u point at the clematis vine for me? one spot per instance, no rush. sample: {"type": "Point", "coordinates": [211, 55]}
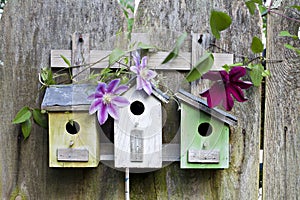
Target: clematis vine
{"type": "Point", "coordinates": [226, 86]}
{"type": "Point", "coordinates": [106, 100]}
{"type": "Point", "coordinates": [144, 75]}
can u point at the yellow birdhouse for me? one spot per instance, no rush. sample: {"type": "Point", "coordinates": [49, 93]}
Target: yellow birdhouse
{"type": "Point", "coordinates": [73, 137]}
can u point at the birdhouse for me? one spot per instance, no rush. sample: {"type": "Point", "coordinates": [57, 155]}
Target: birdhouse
{"type": "Point", "coordinates": [204, 134]}
{"type": "Point", "coordinates": [138, 132]}
{"type": "Point", "coordinates": [73, 137]}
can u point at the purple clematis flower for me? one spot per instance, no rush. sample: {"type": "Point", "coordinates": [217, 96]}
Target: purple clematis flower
{"type": "Point", "coordinates": [226, 86]}
{"type": "Point", "coordinates": [144, 75]}
{"type": "Point", "coordinates": [106, 100]}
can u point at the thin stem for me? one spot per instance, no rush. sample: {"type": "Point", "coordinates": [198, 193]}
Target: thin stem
{"type": "Point", "coordinates": [89, 66]}
{"type": "Point", "coordinates": [224, 50]}
{"type": "Point", "coordinates": [285, 16]}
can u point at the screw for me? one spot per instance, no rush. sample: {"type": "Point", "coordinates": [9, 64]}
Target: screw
{"type": "Point", "coordinates": [205, 144]}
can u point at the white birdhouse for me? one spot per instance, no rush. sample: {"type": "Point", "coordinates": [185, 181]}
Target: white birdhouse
{"type": "Point", "coordinates": [138, 132]}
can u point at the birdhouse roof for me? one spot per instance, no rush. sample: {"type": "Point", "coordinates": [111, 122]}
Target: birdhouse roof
{"type": "Point", "coordinates": [68, 97]}
{"type": "Point", "coordinates": [200, 104]}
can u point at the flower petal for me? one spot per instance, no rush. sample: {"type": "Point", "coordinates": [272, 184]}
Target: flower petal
{"type": "Point", "coordinates": [95, 96]}
{"type": "Point", "coordinates": [236, 73]}
{"type": "Point", "coordinates": [243, 84]}
{"type": "Point", "coordinates": [112, 85]}
{"type": "Point", "coordinates": [113, 111]}
{"type": "Point", "coordinates": [101, 88]}
{"type": "Point", "coordinates": [207, 95]}
{"type": "Point", "coordinates": [136, 59]}
{"type": "Point", "coordinates": [150, 74]}
{"type": "Point", "coordinates": [121, 89]}
{"type": "Point", "coordinates": [102, 114]}
{"type": "Point", "coordinates": [120, 101]}
{"type": "Point", "coordinates": [135, 69]}
{"type": "Point", "coordinates": [95, 105]}
{"type": "Point", "coordinates": [215, 95]}
{"type": "Point", "coordinates": [147, 86]}
{"type": "Point", "coordinates": [139, 84]}
{"type": "Point", "coordinates": [237, 93]}
{"type": "Point", "coordinates": [214, 75]}
{"type": "Point", "coordinates": [144, 62]}
{"type": "Point", "coordinates": [228, 102]}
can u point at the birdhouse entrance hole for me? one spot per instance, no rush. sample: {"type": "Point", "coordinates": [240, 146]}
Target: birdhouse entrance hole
{"type": "Point", "coordinates": [72, 127]}
{"type": "Point", "coordinates": [137, 108]}
{"type": "Point", "coordinates": [205, 129]}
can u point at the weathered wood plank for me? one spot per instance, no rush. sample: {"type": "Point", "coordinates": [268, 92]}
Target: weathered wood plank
{"type": "Point", "coordinates": [80, 56]}
{"type": "Point", "coordinates": [281, 171]}
{"type": "Point", "coordinates": [74, 155]}
{"type": "Point", "coordinates": [154, 61]}
{"type": "Point", "coordinates": [170, 152]}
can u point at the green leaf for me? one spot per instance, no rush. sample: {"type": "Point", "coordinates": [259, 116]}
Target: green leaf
{"type": "Point", "coordinates": [219, 21]}
{"type": "Point", "coordinates": [66, 60]}
{"type": "Point", "coordinates": [171, 55]}
{"type": "Point", "coordinates": [202, 66]}
{"type": "Point", "coordinates": [174, 53]}
{"type": "Point", "coordinates": [256, 71]}
{"type": "Point", "coordinates": [39, 118]}
{"type": "Point", "coordinates": [287, 34]}
{"type": "Point", "coordinates": [145, 46]}
{"type": "Point", "coordinates": [256, 45]}
{"type": "Point", "coordinates": [251, 7]}
{"type": "Point", "coordinates": [288, 46]}
{"type": "Point", "coordinates": [296, 6]}
{"type": "Point", "coordinates": [266, 73]}
{"type": "Point", "coordinates": [26, 128]}
{"type": "Point", "coordinates": [115, 56]}
{"type": "Point", "coordinates": [259, 2]}
{"type": "Point", "coordinates": [47, 76]}
{"type": "Point", "coordinates": [23, 115]}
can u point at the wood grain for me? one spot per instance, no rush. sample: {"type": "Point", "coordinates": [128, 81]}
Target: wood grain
{"type": "Point", "coordinates": [31, 29]}
{"type": "Point", "coordinates": [282, 123]}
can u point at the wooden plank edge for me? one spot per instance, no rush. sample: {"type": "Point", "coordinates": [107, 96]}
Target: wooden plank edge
{"type": "Point", "coordinates": [170, 152]}
{"type": "Point", "coordinates": [154, 61]}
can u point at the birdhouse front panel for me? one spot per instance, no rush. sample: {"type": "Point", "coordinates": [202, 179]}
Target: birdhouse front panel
{"type": "Point", "coordinates": [204, 140]}
{"type": "Point", "coordinates": [138, 132]}
{"type": "Point", "coordinates": [73, 140]}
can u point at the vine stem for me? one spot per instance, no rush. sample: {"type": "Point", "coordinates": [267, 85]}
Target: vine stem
{"type": "Point", "coordinates": [282, 15]}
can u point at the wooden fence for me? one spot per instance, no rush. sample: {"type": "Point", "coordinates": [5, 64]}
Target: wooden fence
{"type": "Point", "coordinates": [31, 29]}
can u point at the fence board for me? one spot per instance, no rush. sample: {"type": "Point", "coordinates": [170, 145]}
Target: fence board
{"type": "Point", "coordinates": [281, 174]}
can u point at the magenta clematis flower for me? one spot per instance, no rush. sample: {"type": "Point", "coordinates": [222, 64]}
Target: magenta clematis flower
{"type": "Point", "coordinates": [226, 86]}
{"type": "Point", "coordinates": [106, 100]}
{"type": "Point", "coordinates": [144, 75]}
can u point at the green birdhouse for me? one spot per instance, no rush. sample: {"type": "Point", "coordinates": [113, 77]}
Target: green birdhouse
{"type": "Point", "coordinates": [204, 134]}
{"type": "Point", "coordinates": [74, 140]}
